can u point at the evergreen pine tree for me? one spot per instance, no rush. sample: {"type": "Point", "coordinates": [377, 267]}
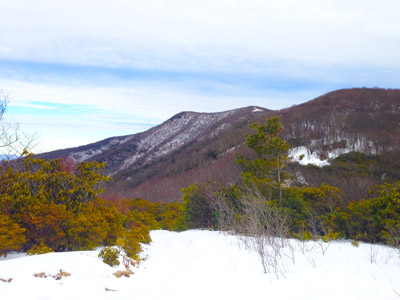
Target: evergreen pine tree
{"type": "Point", "coordinates": [266, 172]}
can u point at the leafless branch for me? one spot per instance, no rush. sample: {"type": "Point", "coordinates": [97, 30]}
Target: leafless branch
{"type": "Point", "coordinates": [13, 141]}
{"type": "Point", "coordinates": [262, 227]}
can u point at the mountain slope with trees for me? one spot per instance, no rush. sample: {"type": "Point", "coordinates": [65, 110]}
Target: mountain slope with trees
{"type": "Point", "coordinates": [197, 147]}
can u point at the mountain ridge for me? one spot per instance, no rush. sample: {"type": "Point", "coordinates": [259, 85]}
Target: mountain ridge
{"type": "Point", "coordinates": [177, 132]}
{"type": "Point", "coordinates": [195, 147]}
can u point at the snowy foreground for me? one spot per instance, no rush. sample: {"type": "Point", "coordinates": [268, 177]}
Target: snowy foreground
{"type": "Point", "coordinates": [208, 265]}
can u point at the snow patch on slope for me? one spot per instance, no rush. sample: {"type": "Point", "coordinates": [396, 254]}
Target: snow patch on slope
{"type": "Point", "coordinates": [257, 109]}
{"type": "Point", "coordinates": [315, 158]}
{"type": "Point", "coordinates": [304, 157]}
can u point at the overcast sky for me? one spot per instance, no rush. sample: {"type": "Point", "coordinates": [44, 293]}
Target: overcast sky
{"type": "Point", "coordinates": [81, 71]}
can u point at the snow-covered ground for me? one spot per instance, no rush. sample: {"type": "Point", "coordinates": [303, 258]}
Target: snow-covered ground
{"type": "Point", "coordinates": [209, 265]}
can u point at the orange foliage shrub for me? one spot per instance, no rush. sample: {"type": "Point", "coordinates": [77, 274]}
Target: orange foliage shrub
{"type": "Point", "coordinates": [11, 235]}
{"type": "Point", "coordinates": [55, 204]}
{"type": "Point", "coordinates": [50, 202]}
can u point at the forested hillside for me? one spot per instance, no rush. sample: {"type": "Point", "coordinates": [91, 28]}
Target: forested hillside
{"type": "Point", "coordinates": [195, 147]}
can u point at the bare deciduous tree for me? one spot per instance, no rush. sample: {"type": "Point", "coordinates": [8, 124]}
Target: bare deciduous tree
{"type": "Point", "coordinates": [226, 214]}
{"type": "Point", "coordinates": [263, 227]}
{"type": "Point", "coordinates": [13, 141]}
{"type": "Point", "coordinates": [394, 236]}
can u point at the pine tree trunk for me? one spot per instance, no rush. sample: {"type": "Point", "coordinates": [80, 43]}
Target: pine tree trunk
{"type": "Point", "coordinates": [279, 180]}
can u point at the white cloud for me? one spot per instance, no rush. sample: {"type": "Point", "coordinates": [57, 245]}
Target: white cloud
{"type": "Point", "coordinates": [154, 103]}
{"type": "Point", "coordinates": [201, 35]}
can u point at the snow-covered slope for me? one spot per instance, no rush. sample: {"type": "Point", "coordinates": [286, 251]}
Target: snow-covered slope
{"type": "Point", "coordinates": [209, 265]}
{"type": "Point", "coordinates": [137, 150]}
{"type": "Point", "coordinates": [174, 134]}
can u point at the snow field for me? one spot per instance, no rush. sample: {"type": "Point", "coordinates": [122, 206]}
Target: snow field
{"type": "Point", "coordinates": [199, 264]}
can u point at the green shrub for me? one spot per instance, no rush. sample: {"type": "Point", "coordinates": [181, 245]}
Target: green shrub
{"type": "Point", "coordinates": [39, 249]}
{"type": "Point", "coordinates": [110, 256]}
{"type": "Point", "coordinates": [304, 236]}
{"type": "Point", "coordinates": [166, 216]}
{"type": "Point", "coordinates": [330, 236]}
{"type": "Point", "coordinates": [170, 217]}
{"type": "Point", "coordinates": [369, 220]}
{"type": "Point", "coordinates": [198, 208]}
{"type": "Point", "coordinates": [131, 241]}
{"type": "Point", "coordinates": [87, 229]}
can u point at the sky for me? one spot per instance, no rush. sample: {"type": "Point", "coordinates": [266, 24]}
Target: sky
{"type": "Point", "coordinates": [78, 72]}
